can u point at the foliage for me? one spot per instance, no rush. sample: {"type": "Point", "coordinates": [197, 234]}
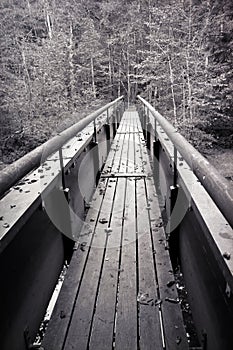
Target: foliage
{"type": "Point", "coordinates": [58, 56]}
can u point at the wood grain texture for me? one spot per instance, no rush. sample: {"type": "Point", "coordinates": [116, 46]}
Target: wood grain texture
{"type": "Point", "coordinates": [104, 317]}
{"type": "Point", "coordinates": [116, 293]}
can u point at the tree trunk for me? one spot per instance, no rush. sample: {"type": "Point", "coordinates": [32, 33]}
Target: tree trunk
{"type": "Point", "coordinates": [187, 62]}
{"type": "Point", "coordinates": [150, 32]}
{"type": "Point", "coordinates": [189, 88]}
{"type": "Point", "coordinates": [49, 26]}
{"type": "Point", "coordinates": [28, 81]}
{"type": "Point", "coordinates": [119, 82]}
{"type": "Point", "coordinates": [128, 77]}
{"type": "Point", "coordinates": [110, 70]}
{"type": "Point", "coordinates": [183, 100]}
{"type": "Point", "coordinates": [172, 90]}
{"type": "Point", "coordinates": [93, 78]}
{"type": "Point", "coordinates": [29, 8]}
{"type": "Point", "coordinates": [71, 66]}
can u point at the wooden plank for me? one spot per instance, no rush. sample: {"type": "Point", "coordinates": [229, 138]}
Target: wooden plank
{"type": "Point", "coordinates": [173, 325]}
{"type": "Point", "coordinates": [174, 331]}
{"type": "Point", "coordinates": [80, 326]}
{"type": "Point", "coordinates": [118, 156]}
{"type": "Point", "coordinates": [134, 124]}
{"type": "Point", "coordinates": [97, 307]}
{"type": "Point", "coordinates": [126, 333]}
{"type": "Point", "coordinates": [124, 155]}
{"type": "Point", "coordinates": [127, 118]}
{"type": "Point", "coordinates": [131, 122]}
{"type": "Point", "coordinates": [104, 318]}
{"type": "Point", "coordinates": [131, 160]}
{"type": "Point", "coordinates": [138, 157]}
{"type": "Point", "coordinates": [121, 124]}
{"type": "Point", "coordinates": [112, 156]}
{"type": "Point", "coordinates": [149, 320]}
{"type": "Point", "coordinates": [112, 151]}
{"type": "Point", "coordinates": [58, 325]}
{"type": "Point", "coordinates": [116, 175]}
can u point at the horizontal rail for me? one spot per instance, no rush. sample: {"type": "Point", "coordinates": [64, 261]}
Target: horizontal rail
{"type": "Point", "coordinates": [17, 170]}
{"type": "Point", "coordinates": [216, 185]}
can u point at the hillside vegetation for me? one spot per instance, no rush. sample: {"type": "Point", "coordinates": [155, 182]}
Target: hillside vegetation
{"type": "Point", "coordinates": [63, 57]}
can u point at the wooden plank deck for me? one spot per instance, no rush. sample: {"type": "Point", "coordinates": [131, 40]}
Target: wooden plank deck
{"type": "Point", "coordinates": [118, 292]}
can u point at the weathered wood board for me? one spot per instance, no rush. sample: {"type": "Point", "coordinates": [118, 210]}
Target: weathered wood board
{"type": "Point", "coordinates": [118, 292]}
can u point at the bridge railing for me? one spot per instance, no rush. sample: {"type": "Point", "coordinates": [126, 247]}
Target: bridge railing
{"type": "Point", "coordinates": [216, 185]}
{"type": "Point", "coordinates": [197, 207]}
{"type": "Point", "coordinates": [40, 217]}
{"type": "Point", "coordinates": [14, 172]}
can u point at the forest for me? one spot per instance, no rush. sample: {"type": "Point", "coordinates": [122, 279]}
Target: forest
{"type": "Point", "coordinates": [62, 59]}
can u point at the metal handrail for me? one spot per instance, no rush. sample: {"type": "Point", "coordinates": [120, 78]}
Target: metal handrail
{"type": "Point", "coordinates": [215, 184]}
{"type": "Point", "coordinates": [17, 170]}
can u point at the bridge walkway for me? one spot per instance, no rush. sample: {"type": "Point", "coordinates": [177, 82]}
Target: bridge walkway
{"type": "Point", "coordinates": [119, 291]}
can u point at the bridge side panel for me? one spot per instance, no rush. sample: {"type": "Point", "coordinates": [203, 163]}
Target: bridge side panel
{"type": "Point", "coordinates": [29, 269]}
{"type": "Point", "coordinates": [32, 256]}
{"type": "Point", "coordinates": [212, 309]}
{"type": "Point", "coordinates": [199, 257]}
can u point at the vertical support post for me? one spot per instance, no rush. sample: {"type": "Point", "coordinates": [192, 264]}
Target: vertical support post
{"type": "Point", "coordinates": [156, 151]}
{"type": "Point", "coordinates": [175, 167]}
{"type": "Point", "coordinates": [156, 146]}
{"type": "Point", "coordinates": [144, 122]}
{"type": "Point", "coordinates": [155, 128]}
{"type": "Point", "coordinates": [173, 233]}
{"type": "Point", "coordinates": [140, 111]}
{"type": "Point", "coordinates": [62, 168]}
{"type": "Point", "coordinates": [148, 136]}
{"type": "Point", "coordinates": [144, 109]}
{"type": "Point", "coordinates": [64, 188]}
{"type": "Point", "coordinates": [96, 155]}
{"type": "Point", "coordinates": [96, 161]}
{"type": "Point", "coordinates": [95, 132]}
{"type": "Point", "coordinates": [107, 116]}
{"type": "Point", "coordinates": [107, 132]}
{"type": "Point", "coordinates": [117, 117]}
{"type": "Point", "coordinates": [114, 123]}
{"type": "Point", "coordinates": [148, 129]}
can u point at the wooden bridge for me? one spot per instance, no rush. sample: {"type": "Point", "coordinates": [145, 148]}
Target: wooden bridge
{"type": "Point", "coordinates": [125, 200]}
